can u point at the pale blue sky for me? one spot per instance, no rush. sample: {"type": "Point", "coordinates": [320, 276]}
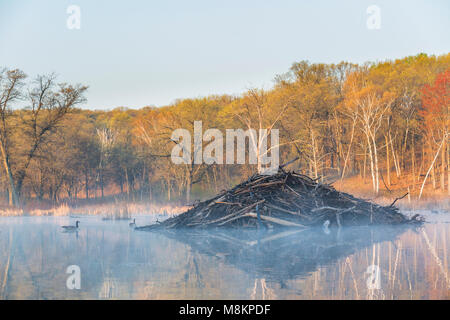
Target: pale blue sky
{"type": "Point", "coordinates": [135, 53]}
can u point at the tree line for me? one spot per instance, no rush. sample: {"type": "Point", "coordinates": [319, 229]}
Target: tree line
{"type": "Point", "coordinates": [386, 121]}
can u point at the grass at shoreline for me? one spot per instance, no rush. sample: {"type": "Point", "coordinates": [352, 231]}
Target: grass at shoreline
{"type": "Point", "coordinates": [115, 211]}
{"type": "Point", "coordinates": [430, 200]}
{"type": "Point", "coordinates": [110, 211]}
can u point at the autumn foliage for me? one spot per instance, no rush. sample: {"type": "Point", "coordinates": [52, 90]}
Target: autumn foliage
{"type": "Point", "coordinates": [435, 106]}
{"type": "Point", "coordinates": [386, 123]}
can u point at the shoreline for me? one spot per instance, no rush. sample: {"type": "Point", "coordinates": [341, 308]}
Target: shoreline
{"type": "Point", "coordinates": [125, 210]}
{"type": "Point", "coordinates": [109, 211]}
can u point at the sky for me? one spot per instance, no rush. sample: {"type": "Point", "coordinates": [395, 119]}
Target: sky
{"type": "Point", "coordinates": [138, 53]}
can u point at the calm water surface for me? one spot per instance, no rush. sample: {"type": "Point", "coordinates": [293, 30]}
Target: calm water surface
{"type": "Point", "coordinates": [117, 262]}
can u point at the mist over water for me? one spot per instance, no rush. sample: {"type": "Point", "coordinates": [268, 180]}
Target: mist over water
{"type": "Point", "coordinates": [117, 262]}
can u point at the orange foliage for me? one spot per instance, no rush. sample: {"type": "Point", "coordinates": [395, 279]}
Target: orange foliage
{"type": "Point", "coordinates": [435, 105]}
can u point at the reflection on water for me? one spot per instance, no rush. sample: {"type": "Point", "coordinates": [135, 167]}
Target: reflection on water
{"type": "Point", "coordinates": [119, 263]}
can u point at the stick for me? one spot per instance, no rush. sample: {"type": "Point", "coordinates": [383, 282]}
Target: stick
{"type": "Point", "coordinates": [276, 220]}
{"type": "Point", "coordinates": [230, 203]}
{"type": "Point", "coordinates": [281, 209]}
{"type": "Point", "coordinates": [325, 208]}
{"type": "Point", "coordinates": [400, 198]}
{"type": "Point", "coordinates": [235, 213]}
{"type": "Point", "coordinates": [289, 162]}
{"type": "Point", "coordinates": [382, 179]}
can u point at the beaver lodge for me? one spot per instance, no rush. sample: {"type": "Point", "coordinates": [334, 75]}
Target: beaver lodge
{"type": "Point", "coordinates": [286, 199]}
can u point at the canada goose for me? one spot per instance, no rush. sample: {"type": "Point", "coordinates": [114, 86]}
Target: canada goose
{"type": "Point", "coordinates": [71, 228]}
{"type": "Point", "coordinates": [325, 227]}
{"type": "Point", "coordinates": [133, 224]}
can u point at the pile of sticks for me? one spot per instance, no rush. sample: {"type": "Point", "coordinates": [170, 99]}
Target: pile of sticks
{"type": "Point", "coordinates": [286, 199]}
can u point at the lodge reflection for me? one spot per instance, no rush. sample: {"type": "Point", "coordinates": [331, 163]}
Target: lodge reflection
{"type": "Point", "coordinates": [280, 255]}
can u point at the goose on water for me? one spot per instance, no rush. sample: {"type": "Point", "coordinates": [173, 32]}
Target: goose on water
{"type": "Point", "coordinates": [71, 228]}
{"type": "Point", "coordinates": [133, 224]}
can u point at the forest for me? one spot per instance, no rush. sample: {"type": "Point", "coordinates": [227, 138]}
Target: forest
{"type": "Point", "coordinates": [382, 125]}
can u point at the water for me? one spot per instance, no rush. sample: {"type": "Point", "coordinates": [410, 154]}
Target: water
{"type": "Point", "coordinates": [119, 263]}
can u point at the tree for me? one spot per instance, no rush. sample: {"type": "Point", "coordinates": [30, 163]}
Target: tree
{"type": "Point", "coordinates": [107, 139]}
{"type": "Point", "coordinates": [47, 104]}
{"type": "Point", "coordinates": [314, 90]}
{"type": "Point", "coordinates": [369, 104]}
{"type": "Point", "coordinates": [436, 114]}
{"type": "Point", "coordinates": [11, 82]}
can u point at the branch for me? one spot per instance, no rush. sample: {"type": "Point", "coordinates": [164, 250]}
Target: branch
{"type": "Point", "coordinates": [400, 198]}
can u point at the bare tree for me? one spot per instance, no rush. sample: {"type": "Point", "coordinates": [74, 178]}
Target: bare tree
{"type": "Point", "coordinates": [256, 111]}
{"type": "Point", "coordinates": [11, 82]}
{"type": "Point", "coordinates": [107, 138]}
{"type": "Point", "coordinates": [372, 110]}
{"type": "Point", "coordinates": [48, 103]}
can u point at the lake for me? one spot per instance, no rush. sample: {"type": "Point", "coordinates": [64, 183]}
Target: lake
{"type": "Point", "coordinates": [116, 262]}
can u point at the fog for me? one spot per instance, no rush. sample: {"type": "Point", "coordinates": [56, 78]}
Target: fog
{"type": "Point", "coordinates": [117, 262]}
